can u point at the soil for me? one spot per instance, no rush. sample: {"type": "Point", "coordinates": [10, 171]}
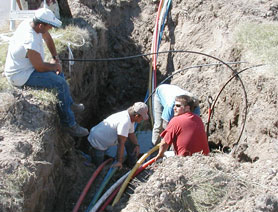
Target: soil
{"type": "Point", "coordinates": [42, 168]}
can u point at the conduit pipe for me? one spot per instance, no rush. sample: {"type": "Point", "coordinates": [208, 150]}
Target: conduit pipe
{"type": "Point", "coordinates": [111, 193]}
{"type": "Point", "coordinates": [87, 187]}
{"type": "Point", "coordinates": [138, 163]}
{"type": "Point", "coordinates": [108, 176]}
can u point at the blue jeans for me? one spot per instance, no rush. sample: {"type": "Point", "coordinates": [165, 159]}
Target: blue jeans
{"type": "Point", "coordinates": [158, 121]}
{"type": "Point", "coordinates": [51, 80]}
{"type": "Point", "coordinates": [98, 155]}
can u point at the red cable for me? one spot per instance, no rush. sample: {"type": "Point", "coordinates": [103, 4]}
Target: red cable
{"type": "Point", "coordinates": [155, 42]}
{"type": "Point", "coordinates": [209, 114]}
{"type": "Point", "coordinates": [85, 190]}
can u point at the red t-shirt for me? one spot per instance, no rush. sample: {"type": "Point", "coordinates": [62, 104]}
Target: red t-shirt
{"type": "Point", "coordinates": [187, 134]}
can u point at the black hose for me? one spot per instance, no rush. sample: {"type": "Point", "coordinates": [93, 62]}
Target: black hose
{"type": "Point", "coordinates": [135, 56]}
{"type": "Point", "coordinates": [187, 68]}
{"type": "Point", "coordinates": [163, 52]}
{"type": "Point", "coordinates": [245, 114]}
{"type": "Point", "coordinates": [235, 73]}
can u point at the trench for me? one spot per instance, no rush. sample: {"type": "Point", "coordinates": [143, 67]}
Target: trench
{"type": "Point", "coordinates": [128, 98]}
{"type": "Point", "coordinates": [124, 82]}
{"type": "Point", "coordinates": [108, 87]}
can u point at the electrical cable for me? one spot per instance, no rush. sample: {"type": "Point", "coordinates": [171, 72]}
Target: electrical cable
{"type": "Point", "coordinates": [187, 68]}
{"type": "Point", "coordinates": [246, 101]}
{"type": "Point", "coordinates": [107, 178]}
{"type": "Point", "coordinates": [113, 190]}
{"type": "Point", "coordinates": [85, 190]}
{"type": "Point", "coordinates": [134, 169]}
{"type": "Point", "coordinates": [163, 22]}
{"type": "Point", "coordinates": [136, 56]}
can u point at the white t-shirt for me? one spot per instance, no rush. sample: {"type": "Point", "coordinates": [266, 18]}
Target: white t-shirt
{"type": "Point", "coordinates": [105, 134]}
{"type": "Point", "coordinates": [18, 67]}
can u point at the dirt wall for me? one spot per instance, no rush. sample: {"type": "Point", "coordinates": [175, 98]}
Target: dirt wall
{"type": "Point", "coordinates": [124, 28]}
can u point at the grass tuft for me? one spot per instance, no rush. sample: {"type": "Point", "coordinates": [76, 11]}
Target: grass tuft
{"type": "Point", "coordinates": [12, 194]}
{"type": "Point", "coordinates": [261, 41]}
{"type": "Point", "coordinates": [71, 35]}
{"type": "Point", "coordinates": [44, 96]}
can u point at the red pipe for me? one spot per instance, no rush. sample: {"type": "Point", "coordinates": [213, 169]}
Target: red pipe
{"type": "Point", "coordinates": [85, 190]}
{"type": "Point", "coordinates": [156, 34]}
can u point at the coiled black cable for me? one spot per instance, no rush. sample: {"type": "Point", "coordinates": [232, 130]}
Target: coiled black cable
{"type": "Point", "coordinates": [235, 74]}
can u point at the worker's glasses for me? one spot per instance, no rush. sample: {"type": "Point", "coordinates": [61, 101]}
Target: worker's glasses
{"type": "Point", "coordinates": [177, 105]}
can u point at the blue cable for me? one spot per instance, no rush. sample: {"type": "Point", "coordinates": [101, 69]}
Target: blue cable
{"type": "Point", "coordinates": [108, 176]}
{"type": "Point", "coordinates": [163, 24]}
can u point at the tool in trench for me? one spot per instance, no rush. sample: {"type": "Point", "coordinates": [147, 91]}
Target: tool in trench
{"type": "Point", "coordinates": [209, 100]}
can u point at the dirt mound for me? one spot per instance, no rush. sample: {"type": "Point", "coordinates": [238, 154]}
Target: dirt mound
{"type": "Point", "coordinates": [41, 168]}
{"type": "Point", "coordinates": [198, 183]}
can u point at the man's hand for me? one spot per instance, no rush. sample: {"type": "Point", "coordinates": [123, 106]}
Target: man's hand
{"type": "Point", "coordinates": [158, 156]}
{"type": "Point", "coordinates": [58, 63]}
{"type": "Point", "coordinates": [118, 164]}
{"type": "Point", "coordinates": [137, 149]}
{"type": "Point", "coordinates": [163, 147]}
{"type": "Point", "coordinates": [41, 66]}
{"type": "Point", "coordinates": [59, 68]}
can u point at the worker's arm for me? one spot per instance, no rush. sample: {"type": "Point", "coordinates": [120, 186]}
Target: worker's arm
{"type": "Point", "coordinates": [37, 61]}
{"type": "Point", "coordinates": [41, 66]}
{"type": "Point", "coordinates": [164, 124]}
{"type": "Point", "coordinates": [49, 43]}
{"type": "Point", "coordinates": [133, 139]}
{"type": "Point", "coordinates": [19, 4]}
{"type": "Point", "coordinates": [163, 147]}
{"type": "Point", "coordinates": [120, 151]}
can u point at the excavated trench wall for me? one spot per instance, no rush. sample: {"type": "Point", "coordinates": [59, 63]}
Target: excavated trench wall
{"type": "Point", "coordinates": [123, 28]}
{"type": "Point", "coordinates": [201, 26]}
{"type": "Point", "coordinates": [53, 170]}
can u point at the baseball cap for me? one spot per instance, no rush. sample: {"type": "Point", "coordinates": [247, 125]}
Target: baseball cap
{"type": "Point", "coordinates": [142, 109]}
{"type": "Point", "coordinates": [47, 16]}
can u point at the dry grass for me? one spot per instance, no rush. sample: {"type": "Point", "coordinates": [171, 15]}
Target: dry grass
{"type": "Point", "coordinates": [11, 192]}
{"type": "Point", "coordinates": [3, 54]}
{"type": "Point", "coordinates": [70, 35]}
{"type": "Point", "coordinates": [44, 96]}
{"type": "Point", "coordinates": [261, 41]}
{"type": "Point", "coordinates": [4, 85]}
{"type": "Point", "coordinates": [210, 187]}
{"type": "Point", "coordinates": [193, 184]}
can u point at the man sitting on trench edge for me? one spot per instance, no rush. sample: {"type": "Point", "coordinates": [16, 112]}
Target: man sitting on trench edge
{"type": "Point", "coordinates": [25, 65]}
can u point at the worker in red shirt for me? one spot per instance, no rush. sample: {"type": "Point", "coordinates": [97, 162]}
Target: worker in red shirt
{"type": "Point", "coordinates": [185, 131]}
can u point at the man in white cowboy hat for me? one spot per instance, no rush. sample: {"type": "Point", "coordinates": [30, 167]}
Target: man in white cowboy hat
{"type": "Point", "coordinates": [25, 65]}
{"type": "Point", "coordinates": [114, 130]}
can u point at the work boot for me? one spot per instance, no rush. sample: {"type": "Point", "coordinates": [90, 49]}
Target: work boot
{"type": "Point", "coordinates": [77, 131]}
{"type": "Point", "coordinates": [77, 108]}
